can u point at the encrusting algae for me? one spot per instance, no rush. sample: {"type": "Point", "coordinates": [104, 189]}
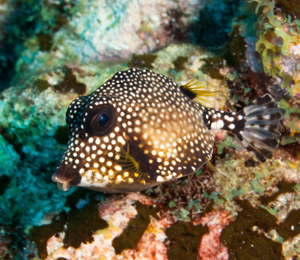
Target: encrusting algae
{"type": "Point", "coordinates": [140, 129]}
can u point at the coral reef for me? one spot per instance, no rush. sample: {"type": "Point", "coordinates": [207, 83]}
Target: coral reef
{"type": "Point", "coordinates": [90, 31]}
{"type": "Point", "coordinates": [278, 41]}
{"type": "Point", "coordinates": [70, 48]}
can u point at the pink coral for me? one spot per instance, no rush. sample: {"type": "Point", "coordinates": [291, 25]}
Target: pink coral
{"type": "Point", "coordinates": [152, 245]}
{"type": "Point", "coordinates": [211, 247]}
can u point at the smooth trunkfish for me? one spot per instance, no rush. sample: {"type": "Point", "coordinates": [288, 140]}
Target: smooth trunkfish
{"type": "Point", "coordinates": [140, 129]}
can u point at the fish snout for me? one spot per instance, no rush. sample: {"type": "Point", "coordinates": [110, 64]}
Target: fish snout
{"type": "Point", "coordinates": [66, 177]}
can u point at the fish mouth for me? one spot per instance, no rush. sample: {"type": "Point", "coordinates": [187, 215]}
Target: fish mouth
{"type": "Point", "coordinates": [66, 177]}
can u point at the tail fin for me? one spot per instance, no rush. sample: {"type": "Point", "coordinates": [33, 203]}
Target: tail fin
{"type": "Point", "coordinates": [261, 133]}
{"type": "Point", "coordinates": [257, 126]}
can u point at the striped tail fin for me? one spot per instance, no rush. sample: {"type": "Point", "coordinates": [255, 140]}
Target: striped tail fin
{"type": "Point", "coordinates": [261, 133]}
{"type": "Point", "coordinates": [257, 126]}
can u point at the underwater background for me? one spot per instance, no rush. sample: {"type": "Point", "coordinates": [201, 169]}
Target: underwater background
{"type": "Point", "coordinates": [53, 51]}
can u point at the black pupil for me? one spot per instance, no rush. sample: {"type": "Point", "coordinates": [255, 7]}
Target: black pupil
{"type": "Point", "coordinates": [103, 119]}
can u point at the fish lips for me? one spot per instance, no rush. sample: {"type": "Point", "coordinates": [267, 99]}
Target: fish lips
{"type": "Point", "coordinates": [66, 177]}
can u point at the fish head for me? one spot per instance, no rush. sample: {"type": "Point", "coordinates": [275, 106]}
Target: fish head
{"type": "Point", "coordinates": [103, 151]}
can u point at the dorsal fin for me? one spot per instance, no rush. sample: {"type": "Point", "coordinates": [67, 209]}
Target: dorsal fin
{"type": "Point", "coordinates": [197, 92]}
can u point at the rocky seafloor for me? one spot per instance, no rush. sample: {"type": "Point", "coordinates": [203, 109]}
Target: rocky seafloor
{"type": "Point", "coordinates": [54, 51]}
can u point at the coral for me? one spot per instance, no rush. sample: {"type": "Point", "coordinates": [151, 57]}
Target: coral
{"type": "Point", "coordinates": [214, 23]}
{"type": "Point", "coordinates": [175, 25]}
{"type": "Point", "coordinates": [40, 235]}
{"type": "Point", "coordinates": [9, 158]}
{"type": "Point", "coordinates": [211, 247]}
{"type": "Point", "coordinates": [80, 32]}
{"type": "Point", "coordinates": [160, 240]}
{"type": "Point", "coordinates": [118, 212]}
{"type": "Point", "coordinates": [278, 43]}
{"type": "Point", "coordinates": [71, 51]}
{"type": "Point", "coordinates": [252, 224]}
{"type": "Point", "coordinates": [82, 221]}
{"type": "Point", "coordinates": [18, 22]}
{"type": "Point", "coordinates": [212, 67]}
{"type": "Point", "coordinates": [79, 223]}
{"type": "Point", "coordinates": [32, 123]}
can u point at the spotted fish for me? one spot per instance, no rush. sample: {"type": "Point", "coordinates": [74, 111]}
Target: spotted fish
{"type": "Point", "coordinates": [140, 129]}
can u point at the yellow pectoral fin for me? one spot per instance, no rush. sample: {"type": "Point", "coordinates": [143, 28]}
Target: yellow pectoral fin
{"type": "Point", "coordinates": [132, 165]}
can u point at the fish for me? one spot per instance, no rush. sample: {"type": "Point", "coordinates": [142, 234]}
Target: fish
{"type": "Point", "coordinates": [140, 129]}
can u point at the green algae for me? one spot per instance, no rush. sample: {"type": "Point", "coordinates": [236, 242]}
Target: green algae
{"type": "Point", "coordinates": [291, 225]}
{"type": "Point", "coordinates": [185, 240]}
{"type": "Point", "coordinates": [248, 86]}
{"type": "Point", "coordinates": [256, 184]}
{"type": "Point", "coordinates": [45, 41]}
{"type": "Point", "coordinates": [136, 227]}
{"type": "Point", "coordinates": [42, 84]}
{"type": "Point", "coordinates": [185, 198]}
{"type": "Point", "coordinates": [212, 67]}
{"type": "Point", "coordinates": [287, 139]}
{"type": "Point", "coordinates": [241, 239]}
{"type": "Point", "coordinates": [172, 204]}
{"type": "Point", "coordinates": [237, 48]}
{"type": "Point", "coordinates": [82, 223]}
{"type": "Point", "coordinates": [288, 108]}
{"type": "Point", "coordinates": [40, 234]}
{"type": "Point", "coordinates": [183, 214]}
{"type": "Point", "coordinates": [69, 83]}
{"type": "Point", "coordinates": [179, 63]}
{"type": "Point", "coordinates": [283, 187]}
{"type": "Point", "coordinates": [142, 61]}
{"type": "Point", "coordinates": [245, 243]}
{"type": "Point", "coordinates": [228, 142]}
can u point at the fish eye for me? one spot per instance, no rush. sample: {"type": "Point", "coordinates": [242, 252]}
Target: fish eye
{"type": "Point", "coordinates": [102, 121]}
